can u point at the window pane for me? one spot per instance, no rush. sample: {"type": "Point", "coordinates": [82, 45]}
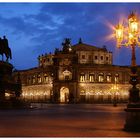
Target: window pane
{"type": "Point", "coordinates": [108, 78]}
{"type": "Point", "coordinates": [82, 77]}
{"type": "Point", "coordinates": [101, 77]}
{"type": "Point", "coordinates": [91, 77]}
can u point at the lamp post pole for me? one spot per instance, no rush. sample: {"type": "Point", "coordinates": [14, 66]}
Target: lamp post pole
{"type": "Point", "coordinates": [132, 122]}
{"type": "Point", "coordinates": [133, 60]}
{"type": "Point", "coordinates": [134, 91]}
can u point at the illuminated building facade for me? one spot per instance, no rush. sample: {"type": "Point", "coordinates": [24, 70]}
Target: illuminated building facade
{"type": "Point", "coordinates": [78, 73]}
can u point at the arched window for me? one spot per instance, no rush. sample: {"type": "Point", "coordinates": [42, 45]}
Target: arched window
{"type": "Point", "coordinates": [39, 79]}
{"type": "Point", "coordinates": [91, 77]}
{"type": "Point", "coordinates": [116, 78]}
{"type": "Point", "coordinates": [96, 57]}
{"type": "Point", "coordinates": [82, 77]}
{"type": "Point", "coordinates": [102, 57]}
{"type": "Point", "coordinates": [108, 77]}
{"type": "Point", "coordinates": [46, 78]}
{"type": "Point", "coordinates": [101, 77]}
{"type": "Point", "coordinates": [107, 58]}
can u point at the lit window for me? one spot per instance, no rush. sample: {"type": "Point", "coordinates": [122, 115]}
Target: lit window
{"type": "Point", "coordinates": [91, 77]}
{"type": "Point", "coordinates": [46, 78]}
{"type": "Point", "coordinates": [82, 77]}
{"type": "Point", "coordinates": [108, 78]}
{"type": "Point", "coordinates": [39, 78]}
{"type": "Point", "coordinates": [116, 78]}
{"type": "Point", "coordinates": [101, 77]}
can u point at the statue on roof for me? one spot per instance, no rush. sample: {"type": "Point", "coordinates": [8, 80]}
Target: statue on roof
{"type": "Point", "coordinates": [66, 45]}
{"type": "Point", "coordinates": [80, 40]}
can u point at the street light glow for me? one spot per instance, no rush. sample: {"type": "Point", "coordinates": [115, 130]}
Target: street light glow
{"type": "Point", "coordinates": [133, 23]}
{"type": "Point", "coordinates": [119, 32]}
{"type": "Point", "coordinates": [128, 35]}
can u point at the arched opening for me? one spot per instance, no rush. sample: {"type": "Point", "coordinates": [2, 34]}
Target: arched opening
{"type": "Point", "coordinates": [64, 95]}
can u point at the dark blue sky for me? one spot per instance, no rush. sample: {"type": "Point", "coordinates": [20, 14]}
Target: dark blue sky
{"type": "Point", "coordinates": [36, 28]}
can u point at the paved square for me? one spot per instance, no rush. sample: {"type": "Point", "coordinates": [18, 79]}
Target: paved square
{"type": "Point", "coordinates": [71, 120]}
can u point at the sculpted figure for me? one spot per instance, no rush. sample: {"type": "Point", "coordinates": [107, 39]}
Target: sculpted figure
{"type": "Point", "coordinates": [66, 44]}
{"type": "Point", "coordinates": [4, 48]}
{"type": "Point", "coordinates": [5, 42]}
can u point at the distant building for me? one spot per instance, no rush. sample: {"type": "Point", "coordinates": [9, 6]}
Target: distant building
{"type": "Point", "coordinates": [77, 73]}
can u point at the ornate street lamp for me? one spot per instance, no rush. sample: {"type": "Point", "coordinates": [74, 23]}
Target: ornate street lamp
{"type": "Point", "coordinates": [129, 36]}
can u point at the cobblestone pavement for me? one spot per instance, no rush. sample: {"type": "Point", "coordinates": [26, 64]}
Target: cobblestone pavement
{"type": "Point", "coordinates": [75, 120]}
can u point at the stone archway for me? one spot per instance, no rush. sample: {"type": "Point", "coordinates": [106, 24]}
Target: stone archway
{"type": "Point", "coordinates": [64, 95]}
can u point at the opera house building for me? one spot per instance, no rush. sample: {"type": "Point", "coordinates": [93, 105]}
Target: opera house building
{"type": "Point", "coordinates": [79, 73]}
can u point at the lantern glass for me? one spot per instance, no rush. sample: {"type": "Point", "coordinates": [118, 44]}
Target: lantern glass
{"type": "Point", "coordinates": [119, 32]}
{"type": "Point", "coordinates": [133, 23]}
{"type": "Point", "coordinates": [133, 26]}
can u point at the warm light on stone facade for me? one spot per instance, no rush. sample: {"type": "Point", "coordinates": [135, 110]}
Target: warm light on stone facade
{"type": "Point", "coordinates": [78, 73]}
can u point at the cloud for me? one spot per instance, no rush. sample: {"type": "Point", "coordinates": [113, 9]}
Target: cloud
{"type": "Point", "coordinates": [41, 27]}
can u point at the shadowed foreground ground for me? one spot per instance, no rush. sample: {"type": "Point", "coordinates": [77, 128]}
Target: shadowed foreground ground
{"type": "Point", "coordinates": [79, 120]}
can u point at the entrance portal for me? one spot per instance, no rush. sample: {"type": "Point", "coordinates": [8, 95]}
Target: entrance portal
{"type": "Point", "coordinates": [64, 95]}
